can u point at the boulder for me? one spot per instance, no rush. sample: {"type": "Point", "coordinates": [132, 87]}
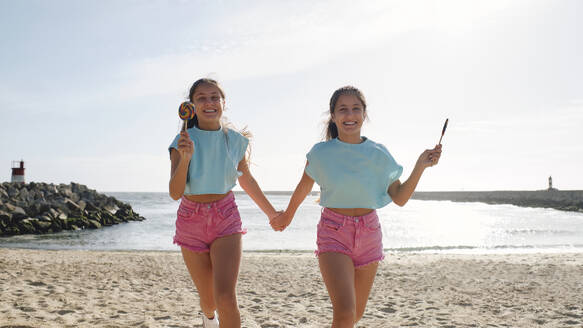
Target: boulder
{"type": "Point", "coordinates": [3, 194]}
{"type": "Point", "coordinates": [12, 192]}
{"type": "Point", "coordinates": [26, 226]}
{"type": "Point", "coordinates": [53, 213]}
{"type": "Point", "coordinates": [42, 226]}
{"type": "Point", "coordinates": [18, 213]}
{"type": "Point", "coordinates": [93, 224]}
{"type": "Point", "coordinates": [5, 217]}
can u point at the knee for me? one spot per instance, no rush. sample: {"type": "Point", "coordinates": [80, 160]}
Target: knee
{"type": "Point", "coordinates": [226, 299]}
{"type": "Point", "coordinates": [344, 316]}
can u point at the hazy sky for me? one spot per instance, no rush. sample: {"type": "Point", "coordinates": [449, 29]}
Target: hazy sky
{"type": "Point", "coordinates": [89, 90]}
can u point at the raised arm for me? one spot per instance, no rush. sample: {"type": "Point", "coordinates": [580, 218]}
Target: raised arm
{"type": "Point", "coordinates": [401, 192]}
{"type": "Point", "coordinates": [180, 159]}
{"type": "Point", "coordinates": [251, 187]}
{"type": "Point", "coordinates": [300, 193]}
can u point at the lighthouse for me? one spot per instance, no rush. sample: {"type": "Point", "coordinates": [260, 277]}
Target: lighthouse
{"type": "Point", "coordinates": [17, 171]}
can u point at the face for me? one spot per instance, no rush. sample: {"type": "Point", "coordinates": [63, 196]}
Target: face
{"type": "Point", "coordinates": [348, 115]}
{"type": "Point", "coordinates": [208, 103]}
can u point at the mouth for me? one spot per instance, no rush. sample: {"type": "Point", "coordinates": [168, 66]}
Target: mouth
{"type": "Point", "coordinates": [349, 123]}
{"type": "Point", "coordinates": [209, 111]}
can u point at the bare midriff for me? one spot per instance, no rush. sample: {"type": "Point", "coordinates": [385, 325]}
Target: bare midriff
{"type": "Point", "coordinates": [205, 198]}
{"type": "Point", "coordinates": [351, 211]}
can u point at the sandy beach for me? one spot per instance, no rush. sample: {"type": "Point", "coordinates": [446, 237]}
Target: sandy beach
{"type": "Point", "coordinates": [41, 288]}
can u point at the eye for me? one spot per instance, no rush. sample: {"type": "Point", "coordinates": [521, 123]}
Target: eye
{"type": "Point", "coordinates": [215, 98]}
{"type": "Point", "coordinates": [343, 109]}
{"type": "Point", "coordinates": [201, 99]}
{"type": "Point", "coordinates": [356, 109]}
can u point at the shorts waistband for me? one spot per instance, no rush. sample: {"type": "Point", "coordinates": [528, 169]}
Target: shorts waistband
{"type": "Point", "coordinates": [196, 205]}
{"type": "Point", "coordinates": [331, 214]}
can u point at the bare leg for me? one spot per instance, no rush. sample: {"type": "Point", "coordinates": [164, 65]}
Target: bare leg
{"type": "Point", "coordinates": [363, 280]}
{"type": "Point", "coordinates": [338, 273]}
{"type": "Point", "coordinates": [200, 269]}
{"type": "Point", "coordinates": [226, 258]}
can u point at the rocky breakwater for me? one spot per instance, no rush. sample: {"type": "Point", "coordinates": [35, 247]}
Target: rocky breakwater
{"type": "Point", "coordinates": [37, 208]}
{"type": "Point", "coordinates": [564, 200]}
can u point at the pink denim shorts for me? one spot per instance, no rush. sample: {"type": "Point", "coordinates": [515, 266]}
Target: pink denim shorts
{"type": "Point", "coordinates": [199, 224]}
{"type": "Point", "coordinates": [359, 237]}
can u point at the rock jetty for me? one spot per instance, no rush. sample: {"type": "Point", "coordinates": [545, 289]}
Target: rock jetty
{"type": "Point", "coordinates": [564, 200]}
{"type": "Point", "coordinates": [37, 208]}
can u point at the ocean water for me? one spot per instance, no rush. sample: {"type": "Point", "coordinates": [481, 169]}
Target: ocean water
{"type": "Point", "coordinates": [420, 226]}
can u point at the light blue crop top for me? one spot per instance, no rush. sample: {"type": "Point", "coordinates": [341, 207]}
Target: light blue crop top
{"type": "Point", "coordinates": [353, 175]}
{"type": "Point", "coordinates": [213, 166]}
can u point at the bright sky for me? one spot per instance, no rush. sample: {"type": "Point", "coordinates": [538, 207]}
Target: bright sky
{"type": "Point", "coordinates": [89, 90]}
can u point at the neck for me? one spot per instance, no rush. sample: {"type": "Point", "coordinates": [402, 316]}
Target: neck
{"type": "Point", "coordinates": [351, 139]}
{"type": "Point", "coordinates": [209, 126]}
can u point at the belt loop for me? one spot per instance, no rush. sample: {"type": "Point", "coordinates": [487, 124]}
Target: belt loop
{"type": "Point", "coordinates": [343, 221]}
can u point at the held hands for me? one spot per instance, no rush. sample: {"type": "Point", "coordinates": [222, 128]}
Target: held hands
{"type": "Point", "coordinates": [185, 145]}
{"type": "Point", "coordinates": [429, 157]}
{"type": "Point", "coordinates": [280, 222]}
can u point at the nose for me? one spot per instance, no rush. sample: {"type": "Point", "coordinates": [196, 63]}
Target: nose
{"type": "Point", "coordinates": [350, 112]}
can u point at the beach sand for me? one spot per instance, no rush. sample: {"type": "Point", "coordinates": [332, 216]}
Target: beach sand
{"type": "Point", "coordinates": [41, 288]}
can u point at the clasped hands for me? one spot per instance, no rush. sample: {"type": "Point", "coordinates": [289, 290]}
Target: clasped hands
{"type": "Point", "coordinates": [280, 221]}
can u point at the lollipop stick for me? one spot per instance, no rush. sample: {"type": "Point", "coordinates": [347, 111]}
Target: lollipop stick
{"type": "Point", "coordinates": [443, 130]}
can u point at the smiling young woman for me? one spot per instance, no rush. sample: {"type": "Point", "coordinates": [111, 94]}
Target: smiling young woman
{"type": "Point", "coordinates": [207, 160]}
{"type": "Point", "coordinates": [356, 176]}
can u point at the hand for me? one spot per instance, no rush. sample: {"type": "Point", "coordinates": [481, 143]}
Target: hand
{"type": "Point", "coordinates": [185, 145]}
{"type": "Point", "coordinates": [274, 215]}
{"type": "Point", "coordinates": [429, 157]}
{"type": "Point", "coordinates": [280, 222]}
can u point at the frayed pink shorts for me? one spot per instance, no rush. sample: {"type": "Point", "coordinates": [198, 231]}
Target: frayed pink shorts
{"type": "Point", "coordinates": [199, 224]}
{"type": "Point", "coordinates": [359, 237]}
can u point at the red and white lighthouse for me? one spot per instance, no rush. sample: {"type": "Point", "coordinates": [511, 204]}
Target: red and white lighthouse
{"type": "Point", "coordinates": [17, 171]}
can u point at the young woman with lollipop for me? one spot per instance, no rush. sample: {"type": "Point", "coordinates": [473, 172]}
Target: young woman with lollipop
{"type": "Point", "coordinates": [356, 176]}
{"type": "Point", "coordinates": [207, 159]}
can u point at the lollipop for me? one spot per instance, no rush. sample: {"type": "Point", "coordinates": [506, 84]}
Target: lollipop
{"type": "Point", "coordinates": [186, 111]}
{"type": "Point", "coordinates": [443, 131]}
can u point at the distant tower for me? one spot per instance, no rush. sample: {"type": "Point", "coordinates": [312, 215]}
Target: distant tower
{"type": "Point", "coordinates": [550, 183]}
{"type": "Point", "coordinates": [17, 171]}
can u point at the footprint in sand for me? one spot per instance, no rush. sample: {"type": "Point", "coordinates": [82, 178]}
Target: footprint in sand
{"type": "Point", "coordinates": [36, 283]}
{"type": "Point", "coordinates": [388, 310]}
{"type": "Point", "coordinates": [63, 312]}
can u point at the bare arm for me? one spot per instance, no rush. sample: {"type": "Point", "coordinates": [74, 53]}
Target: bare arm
{"type": "Point", "coordinates": [180, 159]}
{"type": "Point", "coordinates": [251, 187]}
{"type": "Point", "coordinates": [401, 192]}
{"type": "Point", "coordinates": [302, 190]}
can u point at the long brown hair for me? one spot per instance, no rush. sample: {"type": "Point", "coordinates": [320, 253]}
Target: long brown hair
{"type": "Point", "coordinates": [331, 130]}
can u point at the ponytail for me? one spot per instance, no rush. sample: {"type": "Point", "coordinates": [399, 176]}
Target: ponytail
{"type": "Point", "coordinates": [331, 130]}
{"type": "Point", "coordinates": [192, 122]}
